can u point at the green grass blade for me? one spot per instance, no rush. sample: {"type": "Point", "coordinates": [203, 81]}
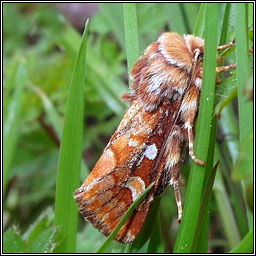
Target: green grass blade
{"type": "Point", "coordinates": [203, 128]}
{"type": "Point", "coordinates": [200, 24]}
{"type": "Point", "coordinates": [124, 218]}
{"type": "Point", "coordinates": [229, 125]}
{"type": "Point", "coordinates": [11, 121]}
{"type": "Point", "coordinates": [245, 107]}
{"type": "Point", "coordinates": [246, 245]}
{"type": "Point", "coordinates": [131, 34]}
{"type": "Point", "coordinates": [70, 156]}
{"type": "Point", "coordinates": [206, 196]}
{"type": "Point", "coordinates": [224, 16]}
{"type": "Point", "coordinates": [156, 244]}
{"type": "Point", "coordinates": [225, 210]}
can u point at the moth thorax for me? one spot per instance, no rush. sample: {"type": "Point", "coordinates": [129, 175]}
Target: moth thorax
{"type": "Point", "coordinates": [179, 51]}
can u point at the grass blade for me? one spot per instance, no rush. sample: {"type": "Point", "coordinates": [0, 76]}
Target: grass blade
{"type": "Point", "coordinates": [156, 244]}
{"type": "Point", "coordinates": [70, 156]}
{"type": "Point", "coordinates": [225, 211]}
{"type": "Point", "coordinates": [199, 24]}
{"type": "Point", "coordinates": [124, 218]}
{"type": "Point", "coordinates": [131, 34]}
{"type": "Point", "coordinates": [206, 196]}
{"type": "Point", "coordinates": [197, 173]}
{"type": "Point", "coordinates": [11, 121]}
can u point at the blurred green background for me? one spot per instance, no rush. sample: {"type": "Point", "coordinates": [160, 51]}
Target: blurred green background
{"type": "Point", "coordinates": [40, 44]}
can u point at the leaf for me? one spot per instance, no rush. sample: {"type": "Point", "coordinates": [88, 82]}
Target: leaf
{"type": "Point", "coordinates": [12, 241]}
{"type": "Point", "coordinates": [44, 242]}
{"type": "Point", "coordinates": [70, 156]}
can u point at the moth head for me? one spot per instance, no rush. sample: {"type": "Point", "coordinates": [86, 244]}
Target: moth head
{"type": "Point", "coordinates": [195, 46]}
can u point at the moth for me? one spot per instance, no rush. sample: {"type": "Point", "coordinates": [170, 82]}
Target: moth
{"type": "Point", "coordinates": [147, 145]}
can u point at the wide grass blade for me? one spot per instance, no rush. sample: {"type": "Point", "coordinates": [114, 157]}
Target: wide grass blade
{"type": "Point", "coordinates": [70, 156]}
{"type": "Point", "coordinates": [197, 173]}
{"type": "Point", "coordinates": [12, 118]}
{"type": "Point", "coordinates": [124, 218]}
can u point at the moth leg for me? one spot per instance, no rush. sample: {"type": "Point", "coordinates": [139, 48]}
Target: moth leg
{"type": "Point", "coordinates": [225, 68]}
{"type": "Point", "coordinates": [188, 114]}
{"type": "Point", "coordinates": [173, 153]}
{"type": "Point", "coordinates": [191, 144]}
{"type": "Point", "coordinates": [225, 46]}
{"type": "Point", "coordinates": [175, 183]}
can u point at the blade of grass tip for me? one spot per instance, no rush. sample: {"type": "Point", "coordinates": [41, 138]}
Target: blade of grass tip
{"type": "Point", "coordinates": [203, 129]}
{"type": "Point", "coordinates": [246, 245]}
{"type": "Point", "coordinates": [223, 19]}
{"type": "Point", "coordinates": [70, 156]}
{"type": "Point", "coordinates": [124, 218]}
{"type": "Point", "coordinates": [11, 121]}
{"type": "Point", "coordinates": [131, 34]}
{"type": "Point", "coordinates": [245, 108]}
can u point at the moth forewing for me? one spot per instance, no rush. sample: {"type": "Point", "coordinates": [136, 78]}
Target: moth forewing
{"type": "Point", "coordinates": [147, 145]}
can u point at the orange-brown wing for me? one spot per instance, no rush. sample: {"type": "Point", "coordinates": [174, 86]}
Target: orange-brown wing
{"type": "Point", "coordinates": [130, 162]}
